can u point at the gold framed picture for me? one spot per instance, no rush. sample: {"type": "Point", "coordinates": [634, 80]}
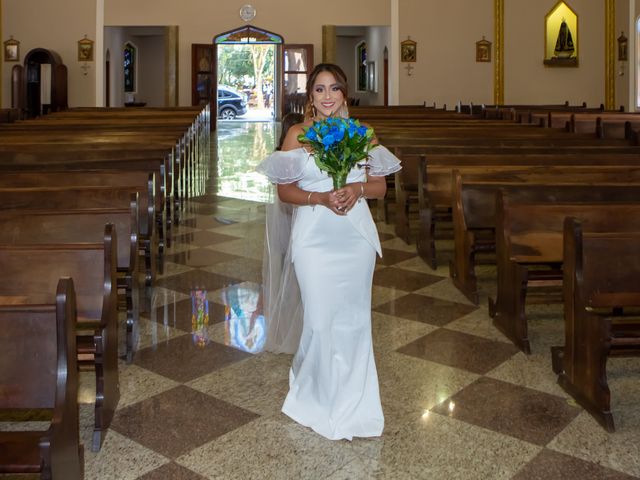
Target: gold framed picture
{"type": "Point", "coordinates": [483, 50]}
{"type": "Point", "coordinates": [408, 51]}
{"type": "Point", "coordinates": [11, 50]}
{"type": "Point", "coordinates": [85, 50]}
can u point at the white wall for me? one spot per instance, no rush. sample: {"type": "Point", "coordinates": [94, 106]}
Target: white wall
{"type": "Point", "coordinates": [151, 69]}
{"type": "Point", "coordinates": [376, 38]}
{"type": "Point", "coordinates": [151, 81]}
{"type": "Point", "coordinates": [346, 58]}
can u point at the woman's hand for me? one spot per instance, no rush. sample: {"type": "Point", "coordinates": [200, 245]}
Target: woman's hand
{"type": "Point", "coordinates": [347, 196]}
{"type": "Point", "coordinates": [332, 202]}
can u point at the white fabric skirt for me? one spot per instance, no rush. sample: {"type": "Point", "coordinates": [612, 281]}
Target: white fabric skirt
{"type": "Point", "coordinates": [333, 383]}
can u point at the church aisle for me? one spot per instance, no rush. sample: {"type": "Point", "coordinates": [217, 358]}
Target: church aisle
{"type": "Point", "coordinates": [460, 401]}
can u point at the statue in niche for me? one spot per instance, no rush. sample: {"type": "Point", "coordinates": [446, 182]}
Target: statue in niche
{"type": "Point", "coordinates": [564, 43]}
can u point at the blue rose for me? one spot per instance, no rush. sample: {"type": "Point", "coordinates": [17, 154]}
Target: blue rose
{"type": "Point", "coordinates": [362, 131]}
{"type": "Point", "coordinates": [328, 141]}
{"type": "Point", "coordinates": [338, 134]}
{"type": "Point", "coordinates": [311, 134]}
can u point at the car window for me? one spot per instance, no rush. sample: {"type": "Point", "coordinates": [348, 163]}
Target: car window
{"type": "Point", "coordinates": [223, 94]}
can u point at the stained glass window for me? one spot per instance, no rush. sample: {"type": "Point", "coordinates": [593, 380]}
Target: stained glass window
{"type": "Point", "coordinates": [129, 68]}
{"type": "Point", "coordinates": [248, 34]}
{"type": "Point", "coordinates": [361, 52]}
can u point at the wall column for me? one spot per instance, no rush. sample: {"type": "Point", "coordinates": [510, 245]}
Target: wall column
{"type": "Point", "coordinates": [610, 54]}
{"type": "Point", "coordinates": [1, 58]}
{"type": "Point", "coordinates": [632, 51]}
{"type": "Point", "coordinates": [98, 53]}
{"type": "Point", "coordinates": [394, 50]}
{"type": "Point", "coordinates": [171, 75]}
{"type": "Point", "coordinates": [498, 68]}
{"type": "Point", "coordinates": [328, 44]}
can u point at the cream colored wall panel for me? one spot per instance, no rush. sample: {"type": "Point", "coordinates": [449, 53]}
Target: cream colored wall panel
{"type": "Point", "coordinates": [446, 70]}
{"type": "Point", "coordinates": [49, 24]}
{"type": "Point", "coordinates": [528, 80]}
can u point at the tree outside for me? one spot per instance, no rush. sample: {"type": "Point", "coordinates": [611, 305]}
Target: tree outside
{"type": "Point", "coordinates": [249, 69]}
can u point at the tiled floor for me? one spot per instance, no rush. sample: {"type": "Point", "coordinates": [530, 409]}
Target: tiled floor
{"type": "Point", "coordinates": [200, 401]}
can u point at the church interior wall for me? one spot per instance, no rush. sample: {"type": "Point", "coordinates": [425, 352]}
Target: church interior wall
{"type": "Point", "coordinates": [151, 70]}
{"type": "Point", "coordinates": [200, 20]}
{"type": "Point", "coordinates": [446, 33]}
{"type": "Point", "coordinates": [346, 58]}
{"type": "Point", "coordinates": [38, 24]}
{"type": "Point", "coordinates": [378, 37]}
{"type": "Point", "coordinates": [528, 80]}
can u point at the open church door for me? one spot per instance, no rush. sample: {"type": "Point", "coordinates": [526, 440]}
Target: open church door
{"type": "Point", "coordinates": [297, 64]}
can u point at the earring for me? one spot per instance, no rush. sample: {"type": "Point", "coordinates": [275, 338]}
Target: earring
{"type": "Point", "coordinates": [345, 110]}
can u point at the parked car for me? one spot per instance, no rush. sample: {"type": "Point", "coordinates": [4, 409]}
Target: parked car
{"type": "Point", "coordinates": [231, 103]}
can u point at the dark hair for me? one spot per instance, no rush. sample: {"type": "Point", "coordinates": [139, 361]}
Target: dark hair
{"type": "Point", "coordinates": [338, 74]}
{"type": "Point", "coordinates": [288, 121]}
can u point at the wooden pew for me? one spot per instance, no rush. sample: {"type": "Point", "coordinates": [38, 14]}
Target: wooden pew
{"type": "Point", "coordinates": [432, 191]}
{"type": "Point", "coordinates": [474, 203]}
{"type": "Point", "coordinates": [183, 135]}
{"type": "Point", "coordinates": [601, 283]}
{"type": "Point", "coordinates": [39, 371]}
{"type": "Point", "coordinates": [38, 227]}
{"type": "Point", "coordinates": [87, 198]}
{"type": "Point", "coordinates": [32, 271]}
{"type": "Point", "coordinates": [529, 252]}
{"type": "Point", "coordinates": [142, 180]}
{"type": "Point", "coordinates": [36, 159]}
{"type": "Point", "coordinates": [9, 115]}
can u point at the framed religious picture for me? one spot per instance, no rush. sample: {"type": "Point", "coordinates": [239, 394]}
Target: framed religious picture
{"type": "Point", "coordinates": [11, 50]}
{"type": "Point", "coordinates": [483, 50]}
{"type": "Point", "coordinates": [408, 51]}
{"type": "Point", "coordinates": [85, 50]}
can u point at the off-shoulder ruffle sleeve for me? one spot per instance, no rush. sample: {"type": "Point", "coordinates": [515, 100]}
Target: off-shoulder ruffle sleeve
{"type": "Point", "coordinates": [284, 167]}
{"type": "Point", "coordinates": [382, 162]}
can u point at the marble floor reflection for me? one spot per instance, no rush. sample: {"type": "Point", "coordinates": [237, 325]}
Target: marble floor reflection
{"type": "Point", "coordinates": [201, 401]}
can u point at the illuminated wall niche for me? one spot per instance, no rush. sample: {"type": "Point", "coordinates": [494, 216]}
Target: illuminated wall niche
{"type": "Point", "coordinates": [564, 37]}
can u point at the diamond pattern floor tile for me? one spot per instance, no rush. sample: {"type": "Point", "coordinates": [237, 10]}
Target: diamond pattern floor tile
{"type": "Point", "coordinates": [530, 415]}
{"type": "Point", "coordinates": [183, 358]}
{"type": "Point", "coordinates": [460, 350]}
{"type": "Point", "coordinates": [179, 420]}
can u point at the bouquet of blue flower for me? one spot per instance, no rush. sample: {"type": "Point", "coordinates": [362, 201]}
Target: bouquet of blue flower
{"type": "Point", "coordinates": [338, 145]}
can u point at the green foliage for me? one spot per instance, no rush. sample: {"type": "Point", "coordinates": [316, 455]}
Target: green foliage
{"type": "Point", "coordinates": [236, 66]}
{"type": "Point", "coordinates": [338, 145]}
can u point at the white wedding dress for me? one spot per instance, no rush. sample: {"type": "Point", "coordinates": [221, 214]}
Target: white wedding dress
{"type": "Point", "coordinates": [333, 383]}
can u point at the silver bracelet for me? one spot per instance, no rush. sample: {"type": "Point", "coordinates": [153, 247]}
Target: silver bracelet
{"type": "Point", "coordinates": [361, 191]}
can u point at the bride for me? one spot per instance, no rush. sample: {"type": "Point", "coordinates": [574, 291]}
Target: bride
{"type": "Point", "coordinates": [333, 383]}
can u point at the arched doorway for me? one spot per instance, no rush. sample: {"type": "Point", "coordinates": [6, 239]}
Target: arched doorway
{"type": "Point", "coordinates": [261, 85]}
{"type": "Point", "coordinates": [42, 83]}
